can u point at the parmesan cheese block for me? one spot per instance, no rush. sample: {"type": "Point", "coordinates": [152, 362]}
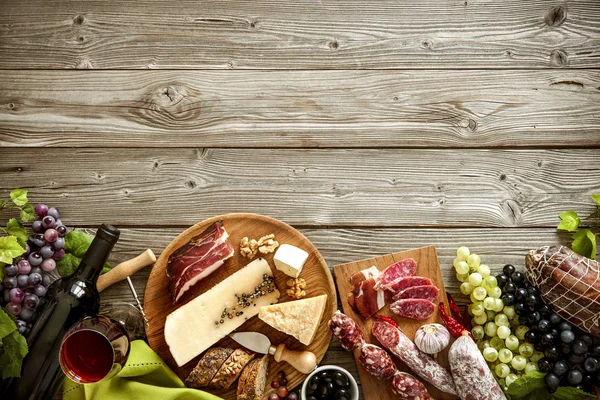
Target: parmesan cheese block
{"type": "Point", "coordinates": [202, 322]}
{"type": "Point", "coordinates": [299, 318]}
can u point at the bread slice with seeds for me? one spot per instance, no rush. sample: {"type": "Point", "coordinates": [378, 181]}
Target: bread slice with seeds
{"type": "Point", "coordinates": [230, 369]}
{"type": "Point", "coordinates": [207, 367]}
{"type": "Point", "coordinates": [253, 379]}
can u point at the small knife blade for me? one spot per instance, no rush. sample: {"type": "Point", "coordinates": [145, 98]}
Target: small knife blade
{"type": "Point", "coordinates": [303, 361]}
{"type": "Point", "coordinates": [254, 341]}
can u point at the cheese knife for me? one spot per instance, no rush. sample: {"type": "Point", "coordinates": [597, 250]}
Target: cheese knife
{"type": "Point", "coordinates": [303, 361]}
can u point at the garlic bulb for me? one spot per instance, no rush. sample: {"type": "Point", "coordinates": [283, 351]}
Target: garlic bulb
{"type": "Point", "coordinates": [432, 338]}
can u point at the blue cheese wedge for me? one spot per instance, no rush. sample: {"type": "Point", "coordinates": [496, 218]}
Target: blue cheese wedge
{"type": "Point", "coordinates": [299, 318]}
{"type": "Point", "coordinates": [202, 322]}
{"type": "Point", "coordinates": [290, 260]}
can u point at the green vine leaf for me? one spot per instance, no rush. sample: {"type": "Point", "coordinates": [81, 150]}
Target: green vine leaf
{"type": "Point", "coordinates": [27, 213]}
{"type": "Point", "coordinates": [584, 243]}
{"type": "Point", "coordinates": [19, 197]}
{"type": "Point", "coordinates": [14, 228]}
{"type": "Point", "coordinates": [569, 221]}
{"type": "Point", "coordinates": [596, 198]}
{"type": "Point", "coordinates": [9, 249]}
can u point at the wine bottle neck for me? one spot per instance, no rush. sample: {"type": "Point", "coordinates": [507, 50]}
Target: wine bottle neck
{"type": "Point", "coordinates": [97, 254]}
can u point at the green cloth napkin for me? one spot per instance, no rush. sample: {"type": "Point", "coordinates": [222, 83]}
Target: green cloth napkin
{"type": "Point", "coordinates": [144, 377]}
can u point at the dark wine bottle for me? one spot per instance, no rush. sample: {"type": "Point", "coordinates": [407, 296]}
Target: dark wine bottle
{"type": "Point", "coordinates": [68, 300]}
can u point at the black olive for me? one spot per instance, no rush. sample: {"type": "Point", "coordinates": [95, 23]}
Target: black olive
{"type": "Point", "coordinates": [342, 394]}
{"type": "Point", "coordinates": [328, 379]}
{"type": "Point", "coordinates": [341, 380]}
{"type": "Point", "coordinates": [324, 390]}
{"type": "Point", "coordinates": [311, 398]}
{"type": "Point", "coordinates": [313, 384]}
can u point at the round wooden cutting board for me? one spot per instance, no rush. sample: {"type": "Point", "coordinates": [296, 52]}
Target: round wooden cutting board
{"type": "Point", "coordinates": [157, 303]}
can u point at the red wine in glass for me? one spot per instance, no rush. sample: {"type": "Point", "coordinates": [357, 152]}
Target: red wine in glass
{"type": "Point", "coordinates": [95, 349]}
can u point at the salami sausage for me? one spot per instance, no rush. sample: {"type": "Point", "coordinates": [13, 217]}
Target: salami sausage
{"type": "Point", "coordinates": [377, 361]}
{"type": "Point", "coordinates": [346, 331]}
{"type": "Point", "coordinates": [473, 378]}
{"type": "Point", "coordinates": [408, 387]}
{"type": "Point", "coordinates": [418, 309]}
{"type": "Point", "coordinates": [408, 281]}
{"type": "Point", "coordinates": [402, 347]}
{"type": "Point", "coordinates": [427, 292]}
{"type": "Point", "coordinates": [400, 269]}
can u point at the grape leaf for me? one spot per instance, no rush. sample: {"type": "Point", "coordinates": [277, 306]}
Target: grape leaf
{"type": "Point", "coordinates": [569, 221]}
{"type": "Point", "coordinates": [68, 264]}
{"type": "Point", "coordinates": [19, 197]}
{"type": "Point", "coordinates": [27, 213]}
{"type": "Point", "coordinates": [9, 249]}
{"type": "Point", "coordinates": [584, 243]}
{"type": "Point", "coordinates": [7, 326]}
{"type": "Point", "coordinates": [2, 204]}
{"type": "Point", "coordinates": [571, 393]}
{"type": "Point", "coordinates": [77, 243]}
{"type": "Point", "coordinates": [14, 228]}
{"type": "Point", "coordinates": [15, 349]}
{"type": "Point", "coordinates": [526, 384]}
{"type": "Point", "coordinates": [596, 198]}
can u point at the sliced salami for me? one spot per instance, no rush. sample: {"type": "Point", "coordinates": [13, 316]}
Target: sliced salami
{"type": "Point", "coordinates": [402, 347]}
{"type": "Point", "coordinates": [408, 281]}
{"type": "Point", "coordinates": [400, 269]}
{"type": "Point", "coordinates": [426, 292]}
{"type": "Point", "coordinates": [377, 362]}
{"type": "Point", "coordinates": [408, 387]}
{"type": "Point", "coordinates": [346, 331]}
{"type": "Point", "coordinates": [418, 309]}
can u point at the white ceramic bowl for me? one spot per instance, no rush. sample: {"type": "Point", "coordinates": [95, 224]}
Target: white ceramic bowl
{"type": "Point", "coordinates": [353, 385]}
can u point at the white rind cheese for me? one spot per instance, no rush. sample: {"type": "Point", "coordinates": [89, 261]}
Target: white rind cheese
{"type": "Point", "coordinates": [290, 260]}
{"type": "Point", "coordinates": [299, 318]}
{"type": "Point", "coordinates": [196, 326]}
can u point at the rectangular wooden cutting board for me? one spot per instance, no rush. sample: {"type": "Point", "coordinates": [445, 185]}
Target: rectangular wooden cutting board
{"type": "Point", "coordinates": [429, 267]}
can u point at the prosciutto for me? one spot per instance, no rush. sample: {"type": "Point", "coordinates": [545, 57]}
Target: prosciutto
{"type": "Point", "coordinates": [197, 259]}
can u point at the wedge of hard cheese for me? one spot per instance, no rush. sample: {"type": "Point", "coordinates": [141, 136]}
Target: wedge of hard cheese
{"type": "Point", "coordinates": [199, 324]}
{"type": "Point", "coordinates": [299, 318]}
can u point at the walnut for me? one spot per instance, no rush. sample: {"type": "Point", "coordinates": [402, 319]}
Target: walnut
{"type": "Point", "coordinates": [267, 244]}
{"type": "Point", "coordinates": [296, 288]}
{"type": "Point", "coordinates": [248, 248]}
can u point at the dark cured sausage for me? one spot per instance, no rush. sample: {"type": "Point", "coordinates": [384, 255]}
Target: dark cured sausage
{"type": "Point", "coordinates": [400, 269]}
{"type": "Point", "coordinates": [427, 292]}
{"type": "Point", "coordinates": [418, 309]}
{"type": "Point", "coordinates": [408, 387]}
{"type": "Point", "coordinates": [408, 281]}
{"type": "Point", "coordinates": [375, 360]}
{"type": "Point", "coordinates": [402, 347]}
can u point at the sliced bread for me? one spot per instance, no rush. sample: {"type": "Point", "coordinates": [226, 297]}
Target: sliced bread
{"type": "Point", "coordinates": [230, 369]}
{"type": "Point", "coordinates": [299, 318]}
{"type": "Point", "coordinates": [253, 379]}
{"type": "Point", "coordinates": [207, 367]}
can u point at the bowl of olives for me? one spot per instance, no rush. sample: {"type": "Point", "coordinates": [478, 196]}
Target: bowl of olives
{"type": "Point", "coordinates": [330, 382]}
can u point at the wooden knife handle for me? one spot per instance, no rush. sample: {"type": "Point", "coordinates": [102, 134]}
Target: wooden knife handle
{"type": "Point", "coordinates": [304, 361]}
{"type": "Point", "coordinates": [125, 269]}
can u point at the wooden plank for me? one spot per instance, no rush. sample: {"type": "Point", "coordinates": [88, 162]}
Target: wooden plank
{"type": "Point", "coordinates": [352, 187]}
{"type": "Point", "coordinates": [555, 108]}
{"type": "Point", "coordinates": [337, 34]}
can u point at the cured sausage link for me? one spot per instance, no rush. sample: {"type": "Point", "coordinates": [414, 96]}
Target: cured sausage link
{"type": "Point", "coordinates": [402, 347]}
{"type": "Point", "coordinates": [375, 360]}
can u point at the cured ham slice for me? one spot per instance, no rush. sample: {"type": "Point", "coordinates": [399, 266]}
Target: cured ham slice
{"type": "Point", "coordinates": [392, 273]}
{"type": "Point", "coordinates": [197, 259]}
{"type": "Point", "coordinates": [373, 289]}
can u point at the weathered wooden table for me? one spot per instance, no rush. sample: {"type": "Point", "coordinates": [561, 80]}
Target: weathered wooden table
{"type": "Point", "coordinates": [372, 126]}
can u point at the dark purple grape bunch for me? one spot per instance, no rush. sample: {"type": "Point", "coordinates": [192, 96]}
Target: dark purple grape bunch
{"type": "Point", "coordinates": [26, 280]}
{"type": "Point", "coordinates": [571, 357]}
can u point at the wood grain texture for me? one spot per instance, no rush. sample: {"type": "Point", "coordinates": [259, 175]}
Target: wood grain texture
{"type": "Point", "coordinates": [555, 108]}
{"type": "Point", "coordinates": [158, 305]}
{"type": "Point", "coordinates": [428, 266]}
{"type": "Point", "coordinates": [302, 34]}
{"type": "Point", "coordinates": [351, 187]}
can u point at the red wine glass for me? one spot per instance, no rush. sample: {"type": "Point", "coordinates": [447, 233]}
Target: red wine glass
{"type": "Point", "coordinates": [94, 349]}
